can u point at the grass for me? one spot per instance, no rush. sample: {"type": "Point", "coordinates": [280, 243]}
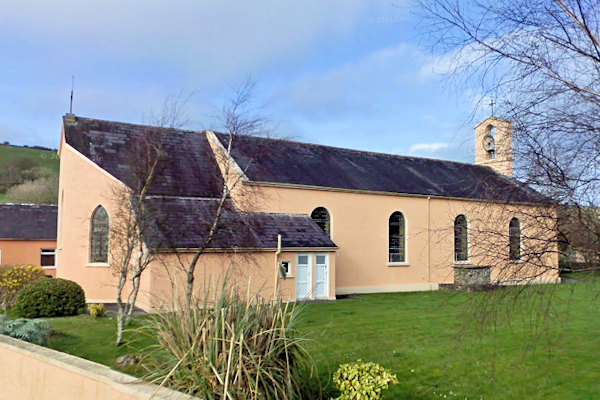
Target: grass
{"type": "Point", "coordinates": [45, 158]}
{"type": "Point", "coordinates": [429, 341]}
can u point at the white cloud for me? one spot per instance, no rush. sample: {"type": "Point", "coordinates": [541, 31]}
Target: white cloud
{"type": "Point", "coordinates": [427, 147]}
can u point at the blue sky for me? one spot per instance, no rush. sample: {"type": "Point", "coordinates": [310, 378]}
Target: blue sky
{"type": "Point", "coordinates": [347, 73]}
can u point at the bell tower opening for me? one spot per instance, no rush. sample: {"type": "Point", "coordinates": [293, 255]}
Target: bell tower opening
{"type": "Point", "coordinates": [493, 145]}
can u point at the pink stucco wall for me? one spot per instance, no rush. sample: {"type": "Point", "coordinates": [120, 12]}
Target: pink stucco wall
{"type": "Point", "coordinates": [31, 372]}
{"type": "Point", "coordinates": [359, 227]}
{"type": "Point", "coordinates": [25, 252]}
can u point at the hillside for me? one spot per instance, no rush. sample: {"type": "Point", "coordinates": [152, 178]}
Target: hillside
{"type": "Point", "coordinates": [46, 158]}
{"type": "Point", "coordinates": [9, 155]}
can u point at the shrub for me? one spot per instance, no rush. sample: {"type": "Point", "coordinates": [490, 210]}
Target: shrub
{"type": "Point", "coordinates": [360, 380]}
{"type": "Point", "coordinates": [13, 278]}
{"type": "Point", "coordinates": [39, 191]}
{"type": "Point", "coordinates": [96, 310]}
{"type": "Point", "coordinates": [231, 348]}
{"type": "Point", "coordinates": [31, 330]}
{"type": "Point", "coordinates": [50, 298]}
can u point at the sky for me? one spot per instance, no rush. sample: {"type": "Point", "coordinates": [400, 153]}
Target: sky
{"type": "Point", "coordinates": [347, 73]}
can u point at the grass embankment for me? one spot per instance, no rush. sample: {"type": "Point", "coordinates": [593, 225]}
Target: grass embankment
{"type": "Point", "coordinates": [45, 158]}
{"type": "Point", "coordinates": [430, 341]}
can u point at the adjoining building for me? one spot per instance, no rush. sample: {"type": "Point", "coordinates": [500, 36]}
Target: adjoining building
{"type": "Point", "coordinates": [348, 221]}
{"type": "Point", "coordinates": [28, 235]}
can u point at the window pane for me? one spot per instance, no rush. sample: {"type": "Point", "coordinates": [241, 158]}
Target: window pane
{"type": "Point", "coordinates": [303, 260]}
{"type": "Point", "coordinates": [99, 236]}
{"type": "Point", "coordinates": [321, 218]}
{"type": "Point", "coordinates": [461, 245]}
{"type": "Point", "coordinates": [396, 238]}
{"type": "Point", "coordinates": [321, 260]}
{"type": "Point", "coordinates": [514, 239]}
{"type": "Point", "coordinates": [47, 260]}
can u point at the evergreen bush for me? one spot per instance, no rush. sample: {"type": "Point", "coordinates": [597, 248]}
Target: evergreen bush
{"type": "Point", "coordinates": [50, 298]}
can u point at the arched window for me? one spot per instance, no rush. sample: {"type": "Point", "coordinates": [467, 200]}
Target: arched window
{"type": "Point", "coordinates": [99, 236]}
{"type": "Point", "coordinates": [397, 238]}
{"type": "Point", "coordinates": [514, 239]}
{"type": "Point", "coordinates": [321, 216]}
{"type": "Point", "coordinates": [461, 239]}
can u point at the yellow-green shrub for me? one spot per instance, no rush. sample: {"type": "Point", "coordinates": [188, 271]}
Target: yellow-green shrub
{"type": "Point", "coordinates": [96, 310]}
{"type": "Point", "coordinates": [13, 278]}
{"type": "Point", "coordinates": [360, 380]}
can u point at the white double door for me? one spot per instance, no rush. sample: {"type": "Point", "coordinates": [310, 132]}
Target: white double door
{"type": "Point", "coordinates": [306, 288]}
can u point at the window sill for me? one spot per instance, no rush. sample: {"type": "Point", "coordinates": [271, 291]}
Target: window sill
{"type": "Point", "coordinates": [289, 276]}
{"type": "Point", "coordinates": [98, 265]}
{"type": "Point", "coordinates": [465, 262]}
{"type": "Point", "coordinates": [398, 264]}
{"type": "Point", "coordinates": [49, 267]}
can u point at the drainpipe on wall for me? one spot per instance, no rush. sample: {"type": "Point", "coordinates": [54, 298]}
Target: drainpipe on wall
{"type": "Point", "coordinates": [428, 242]}
{"type": "Point", "coordinates": [277, 253]}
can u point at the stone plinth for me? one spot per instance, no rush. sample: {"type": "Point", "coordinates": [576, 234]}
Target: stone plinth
{"type": "Point", "coordinates": [471, 275]}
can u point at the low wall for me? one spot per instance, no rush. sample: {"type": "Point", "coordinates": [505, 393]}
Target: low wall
{"type": "Point", "coordinates": [31, 372]}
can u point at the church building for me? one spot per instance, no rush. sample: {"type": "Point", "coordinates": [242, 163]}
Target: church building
{"type": "Point", "coordinates": [306, 221]}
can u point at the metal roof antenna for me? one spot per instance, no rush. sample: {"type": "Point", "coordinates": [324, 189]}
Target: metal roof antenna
{"type": "Point", "coordinates": [72, 88]}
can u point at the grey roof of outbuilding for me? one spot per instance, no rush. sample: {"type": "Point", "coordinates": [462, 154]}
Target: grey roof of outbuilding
{"type": "Point", "coordinates": [187, 165]}
{"type": "Point", "coordinates": [28, 221]}
{"type": "Point", "coordinates": [289, 162]}
{"type": "Point", "coordinates": [185, 223]}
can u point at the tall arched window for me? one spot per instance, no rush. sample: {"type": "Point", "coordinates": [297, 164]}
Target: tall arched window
{"type": "Point", "coordinates": [461, 239]}
{"type": "Point", "coordinates": [99, 236]}
{"type": "Point", "coordinates": [321, 216]}
{"type": "Point", "coordinates": [397, 238]}
{"type": "Point", "coordinates": [514, 239]}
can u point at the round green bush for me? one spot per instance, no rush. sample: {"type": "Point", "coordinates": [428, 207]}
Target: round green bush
{"type": "Point", "coordinates": [50, 298]}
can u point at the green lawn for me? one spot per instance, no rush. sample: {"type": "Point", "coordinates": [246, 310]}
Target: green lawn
{"type": "Point", "coordinates": [433, 342]}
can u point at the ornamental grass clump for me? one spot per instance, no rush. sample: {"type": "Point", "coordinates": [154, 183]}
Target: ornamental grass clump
{"type": "Point", "coordinates": [360, 380]}
{"type": "Point", "coordinates": [13, 278]}
{"type": "Point", "coordinates": [233, 347]}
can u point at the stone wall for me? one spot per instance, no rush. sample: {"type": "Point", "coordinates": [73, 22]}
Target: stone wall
{"type": "Point", "coordinates": [472, 275]}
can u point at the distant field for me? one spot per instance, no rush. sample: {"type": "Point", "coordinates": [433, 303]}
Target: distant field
{"type": "Point", "coordinates": [45, 158]}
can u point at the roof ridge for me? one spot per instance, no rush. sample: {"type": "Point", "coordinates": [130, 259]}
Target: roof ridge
{"type": "Point", "coordinates": [139, 125]}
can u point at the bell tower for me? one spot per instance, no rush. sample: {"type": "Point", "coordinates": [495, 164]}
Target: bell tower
{"type": "Point", "coordinates": [493, 145]}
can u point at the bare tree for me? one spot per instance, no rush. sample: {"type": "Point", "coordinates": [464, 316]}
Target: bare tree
{"type": "Point", "coordinates": [238, 117]}
{"type": "Point", "coordinates": [131, 221]}
{"type": "Point", "coordinates": [540, 62]}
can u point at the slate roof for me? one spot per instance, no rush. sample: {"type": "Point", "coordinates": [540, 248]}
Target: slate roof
{"type": "Point", "coordinates": [28, 222]}
{"type": "Point", "coordinates": [185, 223]}
{"type": "Point", "coordinates": [186, 168]}
{"type": "Point", "coordinates": [288, 162]}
